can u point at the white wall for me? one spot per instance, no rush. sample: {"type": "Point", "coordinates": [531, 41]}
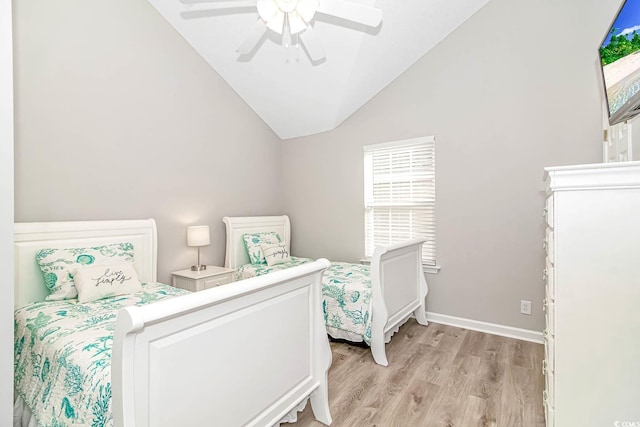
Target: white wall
{"type": "Point", "coordinates": [6, 213]}
{"type": "Point", "coordinates": [117, 117]}
{"type": "Point", "coordinates": [514, 89]}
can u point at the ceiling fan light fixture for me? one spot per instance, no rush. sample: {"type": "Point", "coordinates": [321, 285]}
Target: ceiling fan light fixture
{"type": "Point", "coordinates": [267, 9]}
{"type": "Point", "coordinates": [296, 23]}
{"type": "Point", "coordinates": [307, 9]}
{"type": "Point", "coordinates": [286, 5]}
{"type": "Point", "coordinates": [298, 14]}
{"type": "Point", "coordinates": [293, 18]}
{"type": "Point", "coordinates": [276, 23]}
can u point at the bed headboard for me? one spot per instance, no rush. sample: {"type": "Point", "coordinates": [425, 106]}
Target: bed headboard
{"type": "Point", "coordinates": [30, 237]}
{"type": "Point", "coordinates": [235, 253]}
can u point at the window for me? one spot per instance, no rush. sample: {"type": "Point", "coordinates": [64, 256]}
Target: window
{"type": "Point", "coordinates": [400, 194]}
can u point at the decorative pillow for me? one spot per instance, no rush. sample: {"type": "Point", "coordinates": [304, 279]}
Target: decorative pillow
{"type": "Point", "coordinates": [57, 265]}
{"type": "Point", "coordinates": [101, 281]}
{"type": "Point", "coordinates": [275, 254]}
{"type": "Point", "coordinates": [252, 243]}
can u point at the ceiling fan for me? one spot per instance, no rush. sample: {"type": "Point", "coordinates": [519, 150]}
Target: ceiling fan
{"type": "Point", "coordinates": [292, 18]}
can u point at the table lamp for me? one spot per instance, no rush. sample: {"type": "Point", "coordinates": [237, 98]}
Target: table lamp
{"type": "Point", "coordinates": [198, 235]}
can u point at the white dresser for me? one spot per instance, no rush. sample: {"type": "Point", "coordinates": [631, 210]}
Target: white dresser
{"type": "Point", "coordinates": [592, 274]}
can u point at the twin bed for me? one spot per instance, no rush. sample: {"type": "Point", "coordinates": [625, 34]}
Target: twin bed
{"type": "Point", "coordinates": [250, 354]}
{"type": "Point", "coordinates": [360, 303]}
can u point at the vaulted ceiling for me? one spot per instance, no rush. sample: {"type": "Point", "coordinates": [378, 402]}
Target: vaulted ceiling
{"type": "Point", "coordinates": [298, 97]}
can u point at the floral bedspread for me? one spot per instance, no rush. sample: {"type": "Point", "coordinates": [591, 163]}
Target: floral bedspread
{"type": "Point", "coordinates": [346, 289]}
{"type": "Point", "coordinates": [62, 356]}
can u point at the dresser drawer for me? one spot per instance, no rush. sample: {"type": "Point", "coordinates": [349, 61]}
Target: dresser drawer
{"type": "Point", "coordinates": [549, 308]}
{"type": "Point", "coordinates": [549, 278]}
{"type": "Point", "coordinates": [549, 391]}
{"type": "Point", "coordinates": [548, 364]}
{"type": "Point", "coordinates": [222, 279]}
{"type": "Point", "coordinates": [548, 415]}
{"type": "Point", "coordinates": [547, 244]}
{"type": "Point", "coordinates": [548, 211]}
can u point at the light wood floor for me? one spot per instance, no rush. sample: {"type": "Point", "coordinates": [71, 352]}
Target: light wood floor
{"type": "Point", "coordinates": [437, 376]}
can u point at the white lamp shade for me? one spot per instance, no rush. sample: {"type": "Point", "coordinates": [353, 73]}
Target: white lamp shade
{"type": "Point", "coordinates": [198, 235]}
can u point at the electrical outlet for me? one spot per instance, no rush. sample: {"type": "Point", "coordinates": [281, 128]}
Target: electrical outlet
{"type": "Point", "coordinates": [525, 307]}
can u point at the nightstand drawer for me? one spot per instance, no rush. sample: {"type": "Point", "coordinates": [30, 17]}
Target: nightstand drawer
{"type": "Point", "coordinates": [209, 278]}
{"type": "Point", "coordinates": [184, 283]}
{"type": "Point", "coordinates": [217, 281]}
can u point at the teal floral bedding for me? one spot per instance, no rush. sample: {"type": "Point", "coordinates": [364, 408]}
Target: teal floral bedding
{"type": "Point", "coordinates": [62, 356]}
{"type": "Point", "coordinates": [346, 289]}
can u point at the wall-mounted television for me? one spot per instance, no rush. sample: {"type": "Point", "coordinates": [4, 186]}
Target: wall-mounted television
{"type": "Point", "coordinates": [620, 60]}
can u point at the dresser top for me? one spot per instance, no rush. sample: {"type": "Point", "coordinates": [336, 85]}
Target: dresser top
{"type": "Point", "coordinates": [593, 176]}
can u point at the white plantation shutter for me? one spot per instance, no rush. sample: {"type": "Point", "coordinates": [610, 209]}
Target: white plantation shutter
{"type": "Point", "coordinates": [400, 194]}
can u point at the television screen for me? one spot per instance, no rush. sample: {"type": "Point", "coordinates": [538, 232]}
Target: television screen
{"type": "Point", "coordinates": [620, 59]}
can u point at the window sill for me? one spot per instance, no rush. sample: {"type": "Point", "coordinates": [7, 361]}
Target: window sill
{"type": "Point", "coordinates": [430, 269]}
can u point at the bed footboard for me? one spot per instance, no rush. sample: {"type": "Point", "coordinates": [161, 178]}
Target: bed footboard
{"type": "Point", "coordinates": [243, 354]}
{"type": "Point", "coordinates": [399, 290]}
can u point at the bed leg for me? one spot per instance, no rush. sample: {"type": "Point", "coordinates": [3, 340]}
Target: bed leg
{"type": "Point", "coordinates": [421, 315]}
{"type": "Point", "coordinates": [421, 312]}
{"type": "Point", "coordinates": [378, 351]}
{"type": "Point", "coordinates": [320, 403]}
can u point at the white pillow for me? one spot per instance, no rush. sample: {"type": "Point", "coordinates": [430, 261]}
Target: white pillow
{"type": "Point", "coordinates": [101, 281]}
{"type": "Point", "coordinates": [275, 253]}
{"type": "Point", "coordinates": [57, 265]}
{"type": "Point", "coordinates": [253, 241]}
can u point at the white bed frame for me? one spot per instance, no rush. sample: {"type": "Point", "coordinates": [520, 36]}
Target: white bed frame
{"type": "Point", "coordinates": [245, 354]}
{"type": "Point", "coordinates": [399, 288]}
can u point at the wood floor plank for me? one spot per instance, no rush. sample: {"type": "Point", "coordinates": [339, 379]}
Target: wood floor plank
{"type": "Point", "coordinates": [437, 369]}
{"type": "Point", "coordinates": [437, 376]}
{"type": "Point", "coordinates": [395, 383]}
{"type": "Point", "coordinates": [478, 413]}
{"type": "Point", "coordinates": [432, 335]}
{"type": "Point", "coordinates": [450, 404]}
{"type": "Point", "coordinates": [474, 343]}
{"type": "Point", "coordinates": [452, 339]}
{"type": "Point", "coordinates": [523, 354]}
{"type": "Point", "coordinates": [414, 407]}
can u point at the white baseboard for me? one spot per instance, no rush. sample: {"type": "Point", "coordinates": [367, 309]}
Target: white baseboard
{"type": "Point", "coordinates": [489, 328]}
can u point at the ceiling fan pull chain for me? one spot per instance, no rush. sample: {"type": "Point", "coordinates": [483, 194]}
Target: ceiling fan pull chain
{"type": "Point", "coordinates": [286, 38]}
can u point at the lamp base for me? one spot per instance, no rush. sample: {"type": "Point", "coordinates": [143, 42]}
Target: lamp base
{"type": "Point", "coordinates": [198, 267]}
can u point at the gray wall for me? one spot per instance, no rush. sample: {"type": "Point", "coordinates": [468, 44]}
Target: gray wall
{"type": "Point", "coordinates": [514, 89]}
{"type": "Point", "coordinates": [117, 117]}
{"type": "Point", "coordinates": [6, 212]}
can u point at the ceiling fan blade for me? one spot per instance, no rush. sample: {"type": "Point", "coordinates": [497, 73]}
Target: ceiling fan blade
{"type": "Point", "coordinates": [201, 5]}
{"type": "Point", "coordinates": [312, 44]}
{"type": "Point", "coordinates": [223, 3]}
{"type": "Point", "coordinates": [365, 15]}
{"type": "Point", "coordinates": [255, 34]}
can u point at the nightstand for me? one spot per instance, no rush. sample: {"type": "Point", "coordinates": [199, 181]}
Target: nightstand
{"type": "Point", "coordinates": [200, 280]}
